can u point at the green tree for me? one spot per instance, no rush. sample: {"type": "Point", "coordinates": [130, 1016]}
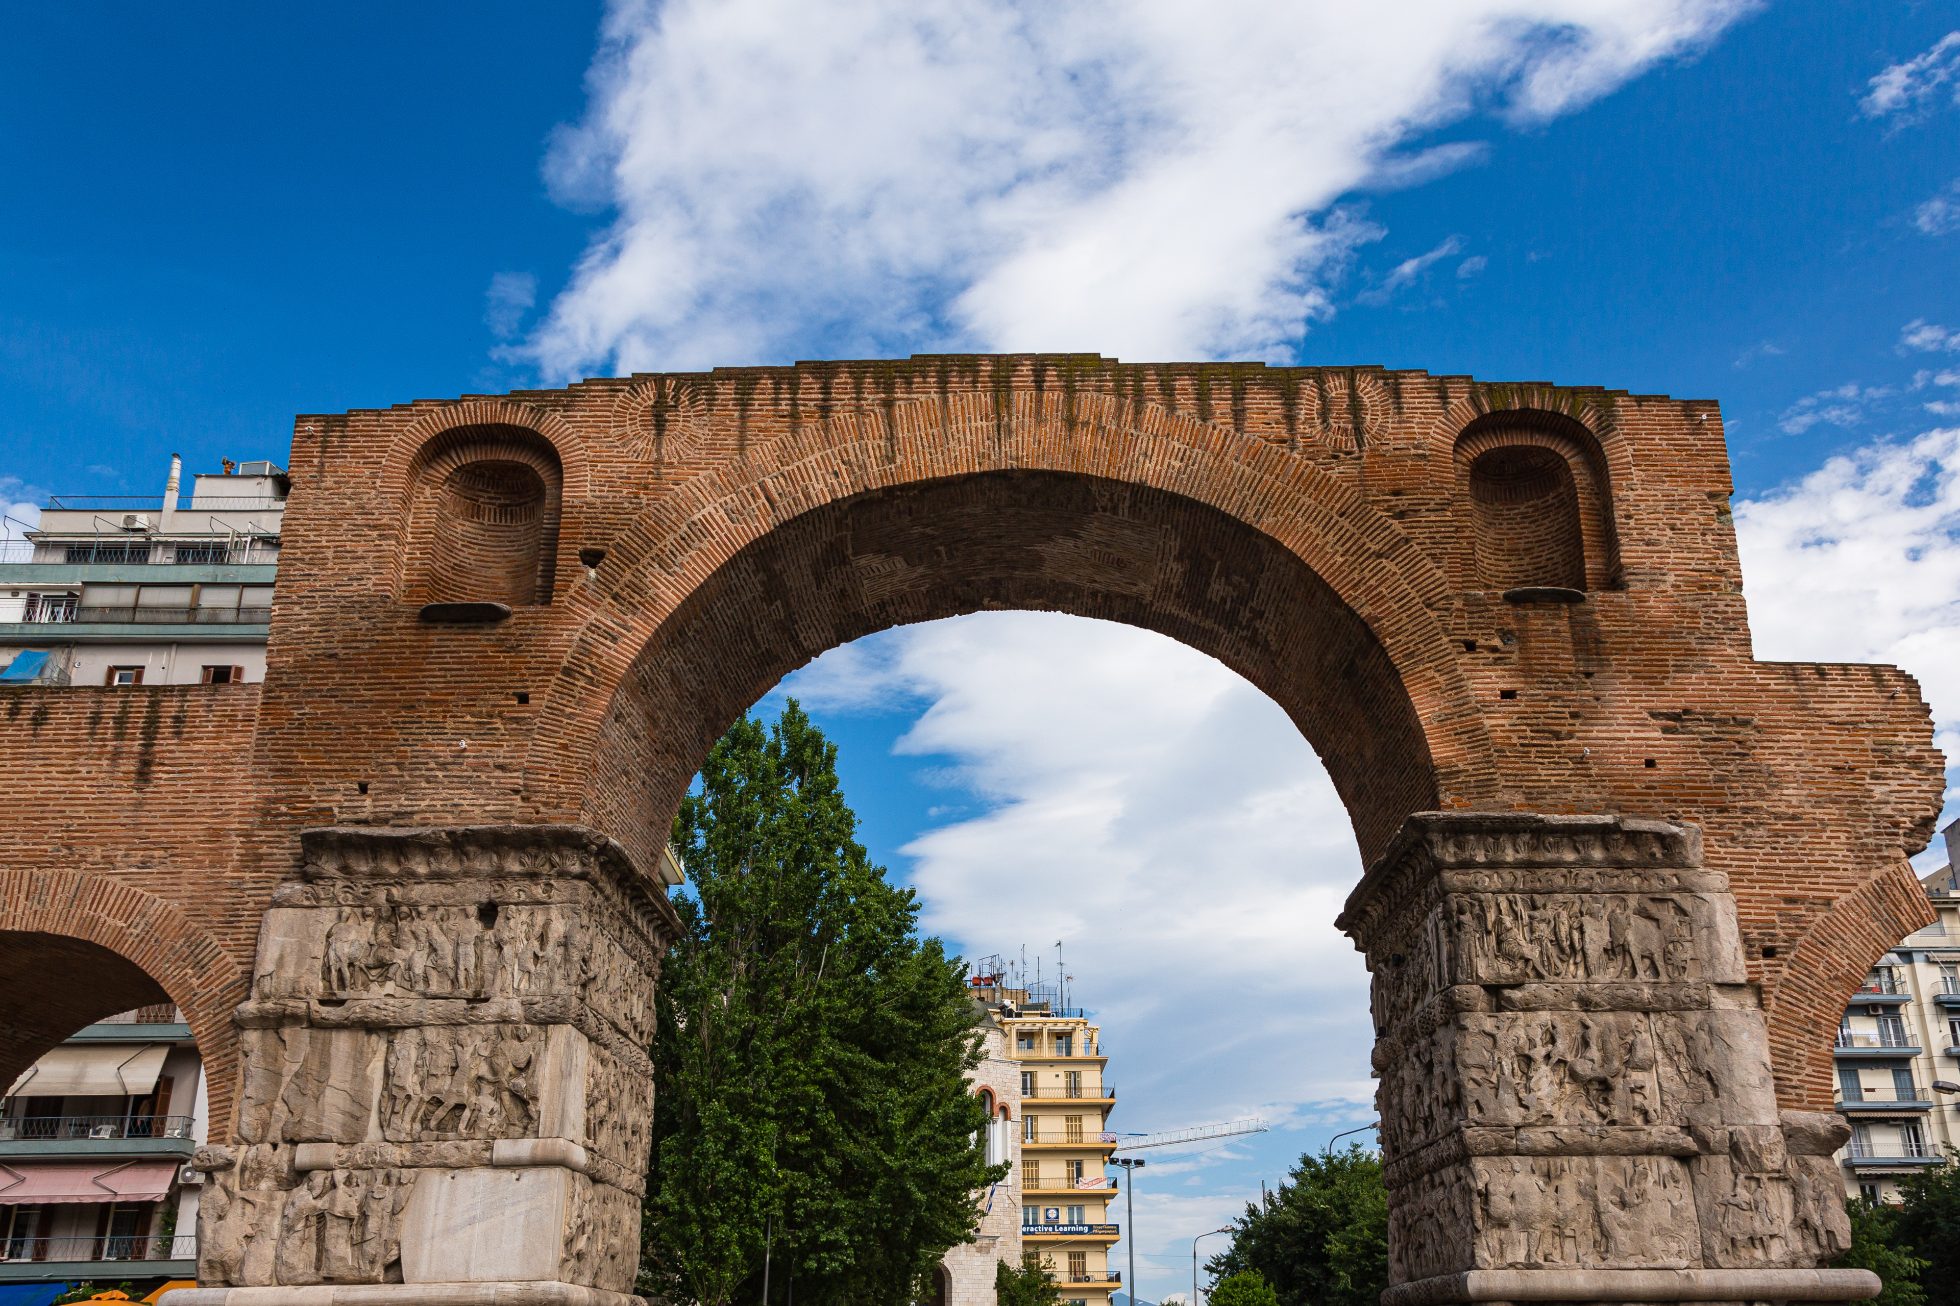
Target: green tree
{"type": "Point", "coordinates": [1322, 1238]}
{"type": "Point", "coordinates": [1027, 1286]}
{"type": "Point", "coordinates": [811, 1108]}
{"type": "Point", "coordinates": [1246, 1288]}
{"type": "Point", "coordinates": [1928, 1226]}
{"type": "Point", "coordinates": [1876, 1246]}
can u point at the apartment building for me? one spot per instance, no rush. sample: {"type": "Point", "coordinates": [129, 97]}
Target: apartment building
{"type": "Point", "coordinates": [95, 1143]}
{"type": "Point", "coordinates": [145, 590]}
{"type": "Point", "coordinates": [1064, 1138]}
{"type": "Point", "coordinates": [1899, 1038]}
{"type": "Point", "coordinates": [966, 1273]}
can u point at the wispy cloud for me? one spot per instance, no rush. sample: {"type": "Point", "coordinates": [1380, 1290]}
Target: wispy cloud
{"type": "Point", "coordinates": [874, 176]}
{"type": "Point", "coordinates": [1847, 406]}
{"type": "Point", "coordinates": [1760, 350]}
{"type": "Point", "coordinates": [1409, 271]}
{"type": "Point", "coordinates": [1471, 267]}
{"type": "Point", "coordinates": [1907, 90]}
{"type": "Point", "coordinates": [1922, 337]}
{"type": "Point", "coordinates": [1941, 214]}
{"type": "Point", "coordinates": [510, 296]}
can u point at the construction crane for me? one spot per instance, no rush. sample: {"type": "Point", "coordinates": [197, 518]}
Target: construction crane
{"type": "Point", "coordinates": [1194, 1134]}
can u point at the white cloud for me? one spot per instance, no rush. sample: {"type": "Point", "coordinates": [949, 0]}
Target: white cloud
{"type": "Point", "coordinates": [875, 175]}
{"type": "Point", "coordinates": [1860, 562]}
{"type": "Point", "coordinates": [1471, 267]}
{"type": "Point", "coordinates": [1761, 349]}
{"type": "Point", "coordinates": [1846, 406]}
{"type": "Point", "coordinates": [21, 505]}
{"type": "Point", "coordinates": [509, 298]}
{"type": "Point", "coordinates": [1923, 337]}
{"type": "Point", "coordinates": [1941, 214]}
{"type": "Point", "coordinates": [1410, 270]}
{"type": "Point", "coordinates": [1905, 88]}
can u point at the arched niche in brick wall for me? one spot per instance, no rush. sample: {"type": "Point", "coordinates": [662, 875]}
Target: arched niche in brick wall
{"type": "Point", "coordinates": [483, 513]}
{"type": "Point", "coordinates": [1535, 504]}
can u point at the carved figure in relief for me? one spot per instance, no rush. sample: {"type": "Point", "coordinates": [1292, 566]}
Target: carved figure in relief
{"type": "Point", "coordinates": [298, 1257]}
{"type": "Point", "coordinates": [347, 940]}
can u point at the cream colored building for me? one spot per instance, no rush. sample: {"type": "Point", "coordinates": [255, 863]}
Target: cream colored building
{"type": "Point", "coordinates": [1043, 1077]}
{"type": "Point", "coordinates": [1899, 1036]}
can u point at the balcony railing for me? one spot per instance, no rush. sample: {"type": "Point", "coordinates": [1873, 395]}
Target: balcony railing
{"type": "Point", "coordinates": [151, 503]}
{"type": "Point", "coordinates": [1881, 988]}
{"type": "Point", "coordinates": [1948, 987]}
{"type": "Point", "coordinates": [1884, 1039]}
{"type": "Point", "coordinates": [1883, 1094]}
{"type": "Point", "coordinates": [1911, 1148]}
{"type": "Point", "coordinates": [1060, 1092]}
{"type": "Point", "coordinates": [1084, 1276]}
{"type": "Point", "coordinates": [101, 1247]}
{"type": "Point", "coordinates": [256, 616]}
{"type": "Point", "coordinates": [137, 553]}
{"type": "Point", "coordinates": [97, 1127]}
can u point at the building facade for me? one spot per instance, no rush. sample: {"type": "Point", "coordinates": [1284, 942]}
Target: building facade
{"type": "Point", "coordinates": [148, 590]}
{"type": "Point", "coordinates": [1898, 1039]}
{"type": "Point", "coordinates": [95, 1147]}
{"type": "Point", "coordinates": [966, 1274]}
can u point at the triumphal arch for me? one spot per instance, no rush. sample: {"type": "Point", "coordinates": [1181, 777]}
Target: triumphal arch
{"type": "Point", "coordinates": [1621, 875]}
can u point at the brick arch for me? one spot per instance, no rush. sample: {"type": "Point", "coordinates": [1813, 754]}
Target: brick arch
{"type": "Point", "coordinates": [943, 481]}
{"type": "Point", "coordinates": [87, 946]}
{"type": "Point", "coordinates": [482, 518]}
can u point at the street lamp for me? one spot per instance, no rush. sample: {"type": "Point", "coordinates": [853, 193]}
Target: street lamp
{"type": "Point", "coordinates": [1328, 1150]}
{"type": "Point", "coordinates": [1129, 1164]}
{"type": "Point", "coordinates": [1194, 1262]}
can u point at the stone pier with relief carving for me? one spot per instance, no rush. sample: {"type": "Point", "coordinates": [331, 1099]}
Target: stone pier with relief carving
{"type": "Point", "coordinates": [446, 1092]}
{"type": "Point", "coordinates": [1575, 1092]}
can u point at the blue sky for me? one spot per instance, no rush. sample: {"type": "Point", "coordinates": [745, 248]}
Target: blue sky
{"type": "Point", "coordinates": [216, 217]}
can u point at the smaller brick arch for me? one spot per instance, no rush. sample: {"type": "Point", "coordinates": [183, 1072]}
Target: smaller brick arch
{"type": "Point", "coordinates": [483, 509]}
{"type": "Point", "coordinates": [1534, 502]}
{"type": "Point", "coordinates": [75, 948]}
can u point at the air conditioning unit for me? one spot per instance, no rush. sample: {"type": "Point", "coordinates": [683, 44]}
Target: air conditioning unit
{"type": "Point", "coordinates": [177, 1130]}
{"type": "Point", "coordinates": [136, 521]}
{"type": "Point", "coordinates": [190, 1176]}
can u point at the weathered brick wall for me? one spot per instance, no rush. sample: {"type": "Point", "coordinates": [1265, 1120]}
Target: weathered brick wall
{"type": "Point", "coordinates": [127, 812]}
{"type": "Point", "coordinates": [1307, 526]}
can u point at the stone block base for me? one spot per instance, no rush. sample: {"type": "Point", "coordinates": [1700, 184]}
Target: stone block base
{"type": "Point", "coordinates": [1613, 1286]}
{"type": "Point", "coordinates": [510, 1293]}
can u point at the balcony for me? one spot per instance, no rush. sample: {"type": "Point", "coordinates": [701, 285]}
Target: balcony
{"type": "Point", "coordinates": [1063, 1093]}
{"type": "Point", "coordinates": [119, 1135]}
{"type": "Point", "coordinates": [102, 1256]}
{"type": "Point", "coordinates": [1102, 1143]}
{"type": "Point", "coordinates": [1892, 1044]}
{"type": "Point", "coordinates": [1887, 1099]}
{"type": "Point", "coordinates": [62, 624]}
{"type": "Point", "coordinates": [1946, 992]}
{"type": "Point", "coordinates": [1903, 1154]}
{"type": "Point", "coordinates": [1083, 1278]}
{"type": "Point", "coordinates": [1880, 992]}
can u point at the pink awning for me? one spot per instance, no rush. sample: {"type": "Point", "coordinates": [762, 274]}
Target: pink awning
{"type": "Point", "coordinates": [38, 1183]}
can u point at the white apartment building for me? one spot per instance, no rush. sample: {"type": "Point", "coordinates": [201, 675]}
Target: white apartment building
{"type": "Point", "coordinates": [145, 590]}
{"type": "Point", "coordinates": [1899, 1038]}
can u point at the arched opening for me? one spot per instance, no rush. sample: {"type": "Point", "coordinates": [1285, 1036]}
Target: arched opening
{"type": "Point", "coordinates": [483, 517]}
{"type": "Point", "coordinates": [106, 1097]}
{"type": "Point", "coordinates": [1033, 541]}
{"type": "Point", "coordinates": [1532, 491]}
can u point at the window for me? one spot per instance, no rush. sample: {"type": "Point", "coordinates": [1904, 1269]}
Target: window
{"type": "Point", "coordinates": [125, 1233]}
{"type": "Point", "coordinates": [1072, 1129]}
{"type": "Point", "coordinates": [1064, 1045]}
{"type": "Point", "coordinates": [1902, 1085]}
{"type": "Point", "coordinates": [123, 676]}
{"type": "Point", "coordinates": [210, 555]}
{"type": "Point", "coordinates": [1030, 1128]}
{"type": "Point", "coordinates": [223, 675]}
{"type": "Point", "coordinates": [111, 551]}
{"type": "Point", "coordinates": [1077, 1215]}
{"type": "Point", "coordinates": [1027, 1083]}
{"type": "Point", "coordinates": [1024, 1042]}
{"type": "Point", "coordinates": [1911, 1143]}
{"type": "Point", "coordinates": [1030, 1216]}
{"type": "Point", "coordinates": [1074, 1174]}
{"type": "Point", "coordinates": [1953, 1031]}
{"type": "Point", "coordinates": [44, 609]}
{"type": "Point", "coordinates": [1868, 1191]}
{"type": "Point", "coordinates": [1074, 1081]}
{"type": "Point", "coordinates": [1850, 1088]}
{"type": "Point", "coordinates": [1030, 1174]}
{"type": "Point", "coordinates": [1892, 1031]}
{"type": "Point", "coordinates": [17, 1224]}
{"type": "Point", "coordinates": [1078, 1266]}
